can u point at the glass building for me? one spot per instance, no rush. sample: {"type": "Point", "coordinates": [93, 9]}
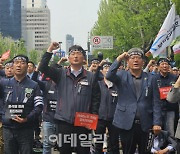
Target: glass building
{"type": "Point", "coordinates": [10, 18]}
{"type": "Point", "coordinates": [69, 42]}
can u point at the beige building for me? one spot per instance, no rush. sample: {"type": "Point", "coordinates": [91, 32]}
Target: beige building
{"type": "Point", "coordinates": [35, 24]}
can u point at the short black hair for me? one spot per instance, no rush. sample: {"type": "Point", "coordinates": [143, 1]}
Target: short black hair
{"type": "Point", "coordinates": [32, 63]}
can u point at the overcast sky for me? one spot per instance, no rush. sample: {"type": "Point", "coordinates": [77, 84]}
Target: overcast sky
{"type": "Point", "coordinates": [75, 17]}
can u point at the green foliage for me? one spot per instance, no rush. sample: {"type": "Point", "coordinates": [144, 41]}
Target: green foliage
{"type": "Point", "coordinates": [16, 47]}
{"type": "Point", "coordinates": [132, 23]}
{"type": "Point", "coordinates": [56, 59]}
{"type": "Point", "coordinates": [177, 3]}
{"type": "Point", "coordinates": [177, 60]}
{"type": "Point", "coordinates": [33, 56]}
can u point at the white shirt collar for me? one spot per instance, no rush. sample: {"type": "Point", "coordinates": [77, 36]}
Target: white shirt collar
{"type": "Point", "coordinates": [76, 73]}
{"type": "Point", "coordinates": [108, 83]}
{"type": "Point", "coordinates": [30, 75]}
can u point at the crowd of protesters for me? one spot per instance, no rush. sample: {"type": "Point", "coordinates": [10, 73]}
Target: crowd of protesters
{"type": "Point", "coordinates": [129, 99]}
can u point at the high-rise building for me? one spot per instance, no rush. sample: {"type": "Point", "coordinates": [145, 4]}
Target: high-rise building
{"type": "Point", "coordinates": [69, 42]}
{"type": "Point", "coordinates": [36, 24]}
{"type": "Point", "coordinates": [34, 3]}
{"type": "Point", "coordinates": [10, 18]}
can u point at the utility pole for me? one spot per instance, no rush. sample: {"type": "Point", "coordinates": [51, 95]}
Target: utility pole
{"type": "Point", "coordinates": [88, 49]}
{"type": "Point", "coordinates": [60, 48]}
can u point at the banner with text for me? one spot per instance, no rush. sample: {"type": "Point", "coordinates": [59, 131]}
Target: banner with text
{"type": "Point", "coordinates": [168, 32]}
{"type": "Point", "coordinates": [86, 120]}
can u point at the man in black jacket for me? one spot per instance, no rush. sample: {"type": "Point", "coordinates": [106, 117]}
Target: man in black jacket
{"type": "Point", "coordinates": [23, 103]}
{"type": "Point", "coordinates": [78, 91]}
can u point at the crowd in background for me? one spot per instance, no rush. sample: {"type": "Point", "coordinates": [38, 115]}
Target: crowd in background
{"type": "Point", "coordinates": [129, 98]}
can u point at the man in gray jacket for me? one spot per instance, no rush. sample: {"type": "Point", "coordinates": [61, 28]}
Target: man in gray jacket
{"type": "Point", "coordinates": [173, 97]}
{"type": "Point", "coordinates": [78, 91]}
{"type": "Point", "coordinates": [138, 108]}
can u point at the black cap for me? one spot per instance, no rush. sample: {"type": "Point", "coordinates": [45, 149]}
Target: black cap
{"type": "Point", "coordinates": [77, 48]}
{"type": "Point", "coordinates": [21, 57]}
{"type": "Point", "coordinates": [163, 60]}
{"type": "Point", "coordinates": [136, 51]}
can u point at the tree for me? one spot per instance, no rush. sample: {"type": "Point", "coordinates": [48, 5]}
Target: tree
{"type": "Point", "coordinates": [16, 47]}
{"type": "Point", "coordinates": [177, 3]}
{"type": "Point", "coordinates": [33, 56]}
{"type": "Point", "coordinates": [131, 23]}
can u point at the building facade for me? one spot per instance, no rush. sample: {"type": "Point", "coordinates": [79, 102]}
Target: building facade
{"type": "Point", "coordinates": [36, 24]}
{"type": "Point", "coordinates": [69, 42]}
{"type": "Point", "coordinates": [10, 18]}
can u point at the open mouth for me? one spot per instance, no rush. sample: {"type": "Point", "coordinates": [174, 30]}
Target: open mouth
{"type": "Point", "coordinates": [136, 65]}
{"type": "Point", "coordinates": [18, 70]}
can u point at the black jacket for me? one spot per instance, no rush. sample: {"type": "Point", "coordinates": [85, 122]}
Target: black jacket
{"type": "Point", "coordinates": [75, 94]}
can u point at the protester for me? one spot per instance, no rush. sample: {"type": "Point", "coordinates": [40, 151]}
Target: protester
{"type": "Point", "coordinates": [163, 143]}
{"type": "Point", "coordinates": [8, 69]}
{"type": "Point", "coordinates": [22, 104]}
{"type": "Point", "coordinates": [174, 97]}
{"type": "Point", "coordinates": [94, 65]}
{"type": "Point", "coordinates": [175, 71]}
{"type": "Point", "coordinates": [106, 113]}
{"type": "Point", "coordinates": [151, 67]}
{"type": "Point", "coordinates": [165, 81]}
{"type": "Point", "coordinates": [31, 69]}
{"type": "Point", "coordinates": [50, 102]}
{"type": "Point", "coordinates": [9, 73]}
{"type": "Point", "coordinates": [138, 108]}
{"type": "Point", "coordinates": [77, 92]}
{"type": "Point", "coordinates": [49, 127]}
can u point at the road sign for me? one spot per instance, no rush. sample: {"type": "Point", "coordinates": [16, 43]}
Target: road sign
{"type": "Point", "coordinates": [102, 42]}
{"type": "Point", "coordinates": [96, 40]}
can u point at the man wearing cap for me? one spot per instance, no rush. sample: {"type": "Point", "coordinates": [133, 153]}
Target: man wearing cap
{"type": "Point", "coordinates": [165, 81]}
{"type": "Point", "coordinates": [138, 108]}
{"type": "Point", "coordinates": [22, 104]}
{"type": "Point", "coordinates": [77, 92]}
{"type": "Point", "coordinates": [106, 113]}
